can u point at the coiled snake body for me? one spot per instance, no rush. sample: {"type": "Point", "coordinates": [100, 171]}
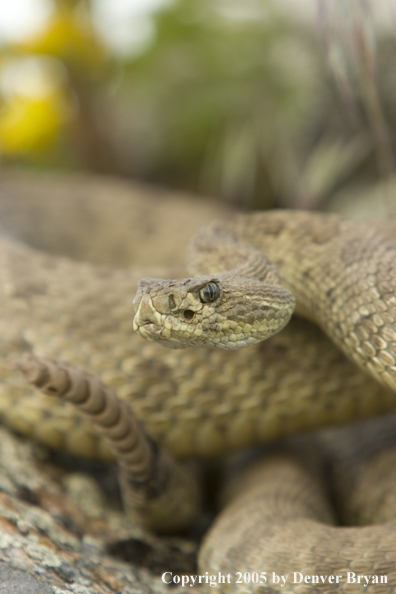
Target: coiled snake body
{"type": "Point", "coordinates": [205, 402]}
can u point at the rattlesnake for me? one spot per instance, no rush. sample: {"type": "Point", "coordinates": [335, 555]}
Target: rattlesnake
{"type": "Point", "coordinates": [205, 402]}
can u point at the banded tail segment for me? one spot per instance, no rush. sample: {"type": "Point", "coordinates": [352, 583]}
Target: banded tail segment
{"type": "Point", "coordinates": [155, 488]}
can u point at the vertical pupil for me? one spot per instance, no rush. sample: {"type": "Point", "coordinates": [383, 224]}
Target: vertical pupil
{"type": "Point", "coordinates": [209, 292]}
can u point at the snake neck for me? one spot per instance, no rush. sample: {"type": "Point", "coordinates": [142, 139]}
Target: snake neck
{"type": "Point", "coordinates": [220, 253]}
{"type": "Point", "coordinates": [278, 247]}
{"type": "Point", "coordinates": [310, 254]}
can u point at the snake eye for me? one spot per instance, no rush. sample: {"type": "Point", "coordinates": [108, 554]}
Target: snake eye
{"type": "Point", "coordinates": [209, 293]}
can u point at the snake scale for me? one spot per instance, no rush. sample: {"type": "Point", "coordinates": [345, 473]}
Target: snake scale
{"type": "Point", "coordinates": [204, 402]}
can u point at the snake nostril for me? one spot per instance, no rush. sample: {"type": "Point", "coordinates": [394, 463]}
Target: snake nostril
{"type": "Point", "coordinates": [188, 314]}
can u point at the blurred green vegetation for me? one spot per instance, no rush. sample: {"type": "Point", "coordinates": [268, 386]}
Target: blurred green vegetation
{"type": "Point", "coordinates": [243, 102]}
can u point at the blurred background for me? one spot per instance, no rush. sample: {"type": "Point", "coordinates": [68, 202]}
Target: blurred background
{"type": "Point", "coordinates": [264, 103]}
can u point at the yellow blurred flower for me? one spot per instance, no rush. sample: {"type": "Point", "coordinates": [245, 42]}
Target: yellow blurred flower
{"type": "Point", "coordinates": [39, 75]}
{"type": "Point", "coordinates": [32, 124]}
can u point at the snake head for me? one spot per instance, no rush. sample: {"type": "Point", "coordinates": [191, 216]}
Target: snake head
{"type": "Point", "coordinates": [210, 311]}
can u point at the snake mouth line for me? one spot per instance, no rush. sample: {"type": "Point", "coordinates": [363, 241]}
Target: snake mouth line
{"type": "Point", "coordinates": [146, 327]}
{"type": "Point", "coordinates": [153, 332]}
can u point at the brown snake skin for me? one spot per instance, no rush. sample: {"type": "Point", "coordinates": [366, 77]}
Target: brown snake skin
{"type": "Point", "coordinates": [204, 402]}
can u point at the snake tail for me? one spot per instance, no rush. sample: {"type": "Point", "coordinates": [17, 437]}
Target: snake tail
{"type": "Point", "coordinates": [156, 489]}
